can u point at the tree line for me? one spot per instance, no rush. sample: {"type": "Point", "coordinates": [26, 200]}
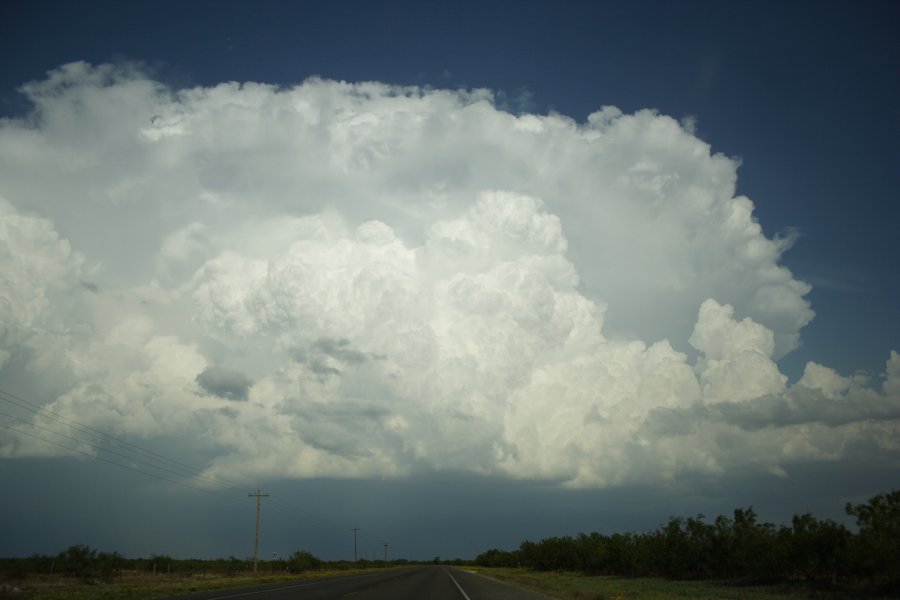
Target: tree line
{"type": "Point", "coordinates": [88, 564]}
{"type": "Point", "coordinates": [92, 566]}
{"type": "Point", "coordinates": [733, 548]}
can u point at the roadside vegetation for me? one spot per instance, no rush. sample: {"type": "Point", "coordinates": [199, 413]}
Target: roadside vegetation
{"type": "Point", "coordinates": [81, 572]}
{"type": "Point", "coordinates": [809, 556]}
{"type": "Point", "coordinates": [735, 557]}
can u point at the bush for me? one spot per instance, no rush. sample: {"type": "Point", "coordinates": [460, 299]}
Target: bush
{"type": "Point", "coordinates": [301, 560]}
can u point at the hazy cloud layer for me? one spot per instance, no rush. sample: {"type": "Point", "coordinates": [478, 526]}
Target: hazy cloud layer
{"type": "Point", "coordinates": [395, 280]}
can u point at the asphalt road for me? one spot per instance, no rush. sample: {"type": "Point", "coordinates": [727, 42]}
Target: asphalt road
{"type": "Point", "coordinates": [415, 583]}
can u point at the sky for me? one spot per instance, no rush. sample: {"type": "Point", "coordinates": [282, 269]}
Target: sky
{"type": "Point", "coordinates": [456, 274]}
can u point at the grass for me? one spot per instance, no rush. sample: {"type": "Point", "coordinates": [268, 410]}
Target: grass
{"type": "Point", "coordinates": [144, 586]}
{"type": "Point", "coordinates": [575, 586]}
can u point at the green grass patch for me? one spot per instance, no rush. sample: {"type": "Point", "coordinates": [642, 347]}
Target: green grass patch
{"type": "Point", "coordinates": [575, 586]}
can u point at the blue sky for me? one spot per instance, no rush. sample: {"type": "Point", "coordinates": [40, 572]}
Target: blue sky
{"type": "Point", "coordinates": [798, 100]}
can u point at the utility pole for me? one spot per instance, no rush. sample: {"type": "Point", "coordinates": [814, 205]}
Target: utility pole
{"type": "Point", "coordinates": [259, 496]}
{"type": "Point", "coordinates": [355, 529]}
{"type": "Point", "coordinates": [385, 554]}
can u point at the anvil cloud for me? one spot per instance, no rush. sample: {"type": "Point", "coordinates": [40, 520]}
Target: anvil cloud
{"type": "Point", "coordinates": [354, 280]}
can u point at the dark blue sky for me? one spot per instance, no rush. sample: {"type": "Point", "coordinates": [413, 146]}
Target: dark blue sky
{"type": "Point", "coordinates": [805, 93]}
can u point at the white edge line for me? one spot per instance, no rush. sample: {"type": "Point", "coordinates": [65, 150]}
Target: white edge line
{"type": "Point", "coordinates": [459, 587]}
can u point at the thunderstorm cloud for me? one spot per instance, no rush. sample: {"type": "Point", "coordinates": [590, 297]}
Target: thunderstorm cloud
{"type": "Point", "coordinates": [396, 280]}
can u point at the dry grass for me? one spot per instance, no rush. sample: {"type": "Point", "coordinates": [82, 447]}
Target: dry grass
{"type": "Point", "coordinates": [138, 585]}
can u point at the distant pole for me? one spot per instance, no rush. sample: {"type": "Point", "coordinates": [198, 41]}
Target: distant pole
{"type": "Point", "coordinates": [355, 529]}
{"type": "Point", "coordinates": [385, 554]}
{"type": "Point", "coordinates": [259, 496]}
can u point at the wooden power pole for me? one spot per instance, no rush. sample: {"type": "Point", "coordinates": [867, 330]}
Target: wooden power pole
{"type": "Point", "coordinates": [259, 496]}
{"type": "Point", "coordinates": [355, 529]}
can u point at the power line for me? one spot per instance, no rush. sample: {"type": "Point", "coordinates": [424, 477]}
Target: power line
{"type": "Point", "coordinates": [107, 450]}
{"type": "Point", "coordinates": [112, 462]}
{"type": "Point", "coordinates": [120, 453]}
{"type": "Point", "coordinates": [97, 439]}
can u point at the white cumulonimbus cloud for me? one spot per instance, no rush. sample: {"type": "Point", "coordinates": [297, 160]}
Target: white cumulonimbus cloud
{"type": "Point", "coordinates": [356, 280]}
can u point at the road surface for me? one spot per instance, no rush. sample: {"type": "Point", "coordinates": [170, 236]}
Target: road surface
{"type": "Point", "coordinates": [415, 583]}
